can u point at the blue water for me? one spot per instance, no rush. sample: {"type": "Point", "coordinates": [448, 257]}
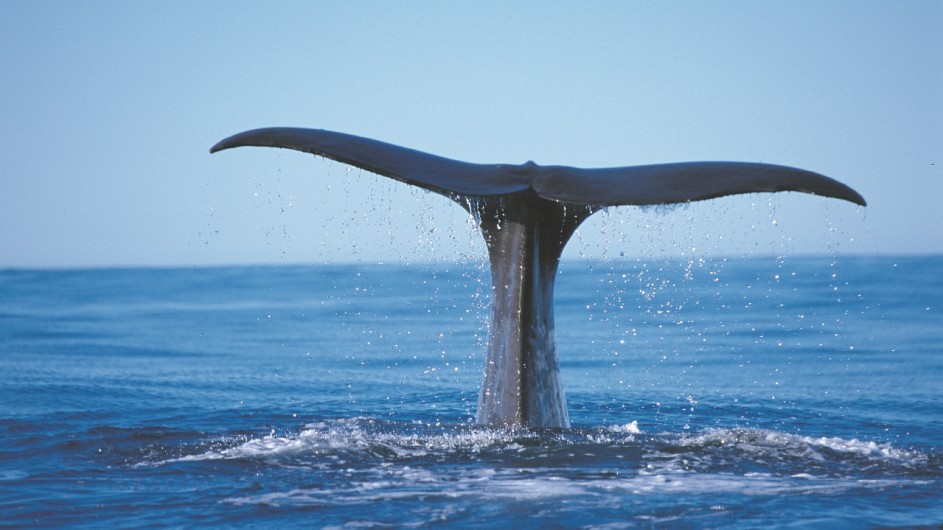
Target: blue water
{"type": "Point", "coordinates": [798, 392]}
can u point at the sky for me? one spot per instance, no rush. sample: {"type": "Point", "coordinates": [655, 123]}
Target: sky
{"type": "Point", "coordinates": [108, 111]}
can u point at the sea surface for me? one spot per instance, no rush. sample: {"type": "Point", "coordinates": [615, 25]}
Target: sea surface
{"type": "Point", "coordinates": [759, 392]}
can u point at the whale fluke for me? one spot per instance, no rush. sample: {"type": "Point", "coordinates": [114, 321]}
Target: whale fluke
{"type": "Point", "coordinates": [633, 185]}
{"type": "Point", "coordinates": [527, 213]}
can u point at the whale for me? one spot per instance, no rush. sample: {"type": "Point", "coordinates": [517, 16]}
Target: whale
{"type": "Point", "coordinates": [526, 214]}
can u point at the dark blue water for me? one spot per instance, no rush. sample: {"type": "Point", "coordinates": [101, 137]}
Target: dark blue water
{"type": "Point", "coordinates": [794, 392]}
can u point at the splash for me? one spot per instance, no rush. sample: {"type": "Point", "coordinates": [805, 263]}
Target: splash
{"type": "Point", "coordinates": [366, 460]}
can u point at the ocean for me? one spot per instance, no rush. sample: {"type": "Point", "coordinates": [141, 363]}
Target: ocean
{"type": "Point", "coordinates": [707, 393]}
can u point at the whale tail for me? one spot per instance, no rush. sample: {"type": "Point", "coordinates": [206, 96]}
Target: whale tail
{"type": "Point", "coordinates": [632, 185]}
{"type": "Point", "coordinates": [527, 214]}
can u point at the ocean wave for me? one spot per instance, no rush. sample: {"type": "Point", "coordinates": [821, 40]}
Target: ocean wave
{"type": "Point", "coordinates": [742, 451]}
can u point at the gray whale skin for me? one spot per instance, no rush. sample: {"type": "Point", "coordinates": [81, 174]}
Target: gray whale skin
{"type": "Point", "coordinates": [527, 213]}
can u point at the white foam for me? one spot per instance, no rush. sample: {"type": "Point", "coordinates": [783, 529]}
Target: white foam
{"type": "Point", "coordinates": [766, 441]}
{"type": "Point", "coordinates": [855, 446]}
{"type": "Point", "coordinates": [628, 428]}
{"type": "Point", "coordinates": [657, 473]}
{"type": "Point", "coordinates": [355, 435]}
{"type": "Point", "coordinates": [379, 456]}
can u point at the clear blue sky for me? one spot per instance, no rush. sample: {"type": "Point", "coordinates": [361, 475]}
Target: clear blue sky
{"type": "Point", "coordinates": [108, 110]}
